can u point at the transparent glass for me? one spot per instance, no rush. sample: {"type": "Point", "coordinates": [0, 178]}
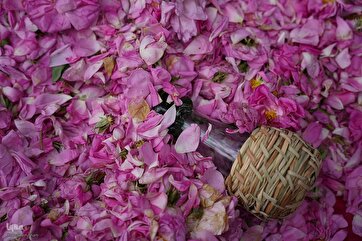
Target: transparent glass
{"type": "Point", "coordinates": [223, 147]}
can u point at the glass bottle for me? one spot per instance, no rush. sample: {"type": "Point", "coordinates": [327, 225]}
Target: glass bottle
{"type": "Point", "coordinates": [222, 146]}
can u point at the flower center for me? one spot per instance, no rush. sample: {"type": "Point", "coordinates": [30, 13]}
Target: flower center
{"type": "Point", "coordinates": [219, 77]}
{"type": "Point", "coordinates": [104, 123]}
{"type": "Point", "coordinates": [270, 114]}
{"type": "Point", "coordinates": [110, 119]}
{"type": "Point", "coordinates": [256, 82]}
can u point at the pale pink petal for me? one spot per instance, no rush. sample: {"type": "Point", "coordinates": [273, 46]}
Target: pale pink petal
{"type": "Point", "coordinates": [12, 93]}
{"type": "Point", "coordinates": [150, 50]}
{"type": "Point", "coordinates": [357, 224]}
{"type": "Point", "coordinates": [149, 155]}
{"type": "Point", "coordinates": [160, 200]}
{"type": "Point", "coordinates": [213, 219]}
{"type": "Point", "coordinates": [343, 59]}
{"type": "Point", "coordinates": [215, 179]}
{"type": "Point", "coordinates": [199, 45]}
{"type": "Point", "coordinates": [59, 159]}
{"type": "Point", "coordinates": [65, 5]}
{"type": "Point", "coordinates": [46, 99]}
{"type": "Point", "coordinates": [343, 32]}
{"type": "Point", "coordinates": [339, 236]}
{"type": "Point", "coordinates": [234, 13]}
{"type": "Point", "coordinates": [293, 234]}
{"type": "Point", "coordinates": [26, 128]}
{"type": "Point", "coordinates": [61, 56]}
{"type": "Point", "coordinates": [75, 72]}
{"type": "Point", "coordinates": [83, 17]}
{"type": "Point", "coordinates": [189, 139]}
{"type": "Point", "coordinates": [168, 118]}
{"type": "Point", "coordinates": [152, 175]}
{"type": "Point", "coordinates": [23, 216]}
{"type": "Point", "coordinates": [335, 102]}
{"type": "Point", "coordinates": [92, 69]}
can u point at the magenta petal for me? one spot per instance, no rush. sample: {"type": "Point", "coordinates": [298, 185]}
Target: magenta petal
{"type": "Point", "coordinates": [23, 216]}
{"type": "Point", "coordinates": [335, 102]}
{"type": "Point", "coordinates": [26, 128]}
{"type": "Point", "coordinates": [199, 45]}
{"type": "Point", "coordinates": [315, 134]}
{"type": "Point", "coordinates": [339, 221]}
{"type": "Point", "coordinates": [293, 234]}
{"type": "Point", "coordinates": [61, 56]}
{"type": "Point", "coordinates": [83, 17]}
{"type": "Point", "coordinates": [215, 179]}
{"type": "Point", "coordinates": [148, 154]}
{"type": "Point", "coordinates": [343, 32]}
{"type": "Point", "coordinates": [339, 236]}
{"type": "Point", "coordinates": [63, 6]}
{"type": "Point", "coordinates": [12, 93]}
{"type": "Point", "coordinates": [92, 69]}
{"type": "Point", "coordinates": [168, 118]}
{"type": "Point", "coordinates": [308, 33]}
{"type": "Point", "coordinates": [46, 99]}
{"type": "Point", "coordinates": [189, 139]}
{"type": "Point", "coordinates": [75, 72]}
{"type": "Point", "coordinates": [234, 13]}
{"type": "Point", "coordinates": [150, 50]}
{"type": "Point", "coordinates": [59, 159]}
{"type": "Point", "coordinates": [357, 224]}
{"type": "Point", "coordinates": [103, 224]}
{"type": "Point", "coordinates": [343, 59]}
{"type": "Point", "coordinates": [184, 27]}
{"type": "Point", "coordinates": [152, 175]}
{"type": "Point", "coordinates": [160, 201]}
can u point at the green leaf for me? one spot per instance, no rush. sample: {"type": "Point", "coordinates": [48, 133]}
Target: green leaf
{"type": "Point", "coordinates": [57, 72]}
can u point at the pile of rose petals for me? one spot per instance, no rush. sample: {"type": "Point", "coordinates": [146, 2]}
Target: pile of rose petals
{"type": "Point", "coordinates": [84, 157]}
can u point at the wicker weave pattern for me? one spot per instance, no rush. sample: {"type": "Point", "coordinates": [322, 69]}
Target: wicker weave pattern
{"type": "Point", "coordinates": [274, 170]}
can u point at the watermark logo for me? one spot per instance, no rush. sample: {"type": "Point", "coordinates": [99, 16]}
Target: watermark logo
{"type": "Point", "coordinates": [15, 231]}
{"type": "Point", "coordinates": [14, 227]}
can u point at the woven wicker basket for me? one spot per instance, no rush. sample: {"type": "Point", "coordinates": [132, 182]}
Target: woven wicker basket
{"type": "Point", "coordinates": [273, 172]}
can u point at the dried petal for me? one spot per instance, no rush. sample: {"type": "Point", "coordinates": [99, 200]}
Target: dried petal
{"type": "Point", "coordinates": [109, 64]}
{"type": "Point", "coordinates": [139, 110]}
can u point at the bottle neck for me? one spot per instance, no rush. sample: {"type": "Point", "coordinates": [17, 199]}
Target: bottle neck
{"type": "Point", "coordinates": [223, 147]}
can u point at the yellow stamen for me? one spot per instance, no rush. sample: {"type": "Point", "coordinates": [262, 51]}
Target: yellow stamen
{"type": "Point", "coordinates": [110, 119]}
{"type": "Point", "coordinates": [139, 143]}
{"type": "Point", "coordinates": [270, 114]}
{"type": "Point", "coordinates": [256, 82]}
